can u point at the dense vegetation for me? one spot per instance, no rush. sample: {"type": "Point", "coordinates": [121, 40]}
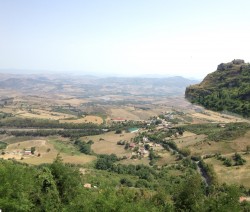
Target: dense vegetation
{"type": "Point", "coordinates": [44, 127]}
{"type": "Point", "coordinates": [15, 122]}
{"type": "Point", "coordinates": [59, 187]}
{"type": "Point", "coordinates": [228, 89]}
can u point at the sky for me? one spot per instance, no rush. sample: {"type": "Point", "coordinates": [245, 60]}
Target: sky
{"type": "Point", "coordinates": [123, 37]}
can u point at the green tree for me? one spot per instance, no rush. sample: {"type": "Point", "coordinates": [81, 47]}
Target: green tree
{"type": "Point", "coordinates": [191, 195]}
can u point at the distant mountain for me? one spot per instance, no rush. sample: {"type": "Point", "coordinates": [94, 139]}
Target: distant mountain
{"type": "Point", "coordinates": [228, 88]}
{"type": "Point", "coordinates": [94, 86]}
{"type": "Point", "coordinates": [175, 81]}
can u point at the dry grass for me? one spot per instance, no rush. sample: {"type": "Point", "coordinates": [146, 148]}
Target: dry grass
{"type": "Point", "coordinates": [44, 114]}
{"type": "Point", "coordinates": [166, 158]}
{"type": "Point", "coordinates": [86, 119]}
{"type": "Point", "coordinates": [211, 147]}
{"type": "Point", "coordinates": [227, 147]}
{"type": "Point", "coordinates": [123, 113]}
{"type": "Point", "coordinates": [232, 175]}
{"type": "Point", "coordinates": [241, 143]}
{"type": "Point", "coordinates": [188, 139]}
{"type": "Point", "coordinates": [50, 157]}
{"type": "Point", "coordinates": [217, 117]}
{"type": "Point", "coordinates": [72, 101]}
{"type": "Point", "coordinates": [109, 144]}
{"type": "Point", "coordinates": [144, 161]}
{"type": "Point", "coordinates": [47, 152]}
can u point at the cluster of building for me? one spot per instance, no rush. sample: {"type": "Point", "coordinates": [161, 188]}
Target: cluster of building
{"type": "Point", "coordinates": [139, 149]}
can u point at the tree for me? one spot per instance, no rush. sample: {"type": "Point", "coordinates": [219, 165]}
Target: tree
{"type": "Point", "coordinates": [225, 198]}
{"type": "Point", "coordinates": [118, 131]}
{"type": "Point", "coordinates": [67, 180]}
{"type": "Point", "coordinates": [33, 149]}
{"type": "Point", "coordinates": [239, 160]}
{"type": "Point", "coordinates": [127, 182]}
{"type": "Point", "coordinates": [47, 196]}
{"type": "Point", "coordinates": [191, 196]}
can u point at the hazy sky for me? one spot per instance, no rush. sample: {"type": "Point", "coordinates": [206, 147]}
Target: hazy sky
{"type": "Point", "coordinates": [177, 37]}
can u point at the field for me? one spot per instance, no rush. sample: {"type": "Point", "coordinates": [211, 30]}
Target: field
{"type": "Point", "coordinates": [86, 119]}
{"type": "Point", "coordinates": [123, 113]}
{"type": "Point", "coordinates": [43, 114]}
{"type": "Point", "coordinates": [166, 158]}
{"type": "Point", "coordinates": [232, 175]}
{"type": "Point", "coordinates": [144, 161]}
{"type": "Point", "coordinates": [47, 114]}
{"type": "Point", "coordinates": [189, 139]}
{"type": "Point", "coordinates": [46, 151]}
{"type": "Point", "coordinates": [223, 147]}
{"type": "Point", "coordinates": [212, 116]}
{"type": "Point", "coordinates": [107, 143]}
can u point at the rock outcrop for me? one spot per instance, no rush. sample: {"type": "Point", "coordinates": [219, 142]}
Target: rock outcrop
{"type": "Point", "coordinates": [228, 88]}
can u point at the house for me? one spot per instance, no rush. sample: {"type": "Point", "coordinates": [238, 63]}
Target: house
{"type": "Point", "coordinates": [145, 139]}
{"type": "Point", "coordinates": [27, 152]}
{"type": "Point", "coordinates": [133, 130]}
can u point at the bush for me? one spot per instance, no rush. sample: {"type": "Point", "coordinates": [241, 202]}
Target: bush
{"type": "Point", "coordinates": [126, 182]}
{"type": "Point", "coordinates": [228, 162]}
{"type": "Point", "coordinates": [238, 160]}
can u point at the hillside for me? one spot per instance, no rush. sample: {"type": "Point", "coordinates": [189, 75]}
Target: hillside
{"type": "Point", "coordinates": [228, 88]}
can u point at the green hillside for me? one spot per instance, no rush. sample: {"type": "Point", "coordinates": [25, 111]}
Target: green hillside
{"type": "Point", "coordinates": [228, 88]}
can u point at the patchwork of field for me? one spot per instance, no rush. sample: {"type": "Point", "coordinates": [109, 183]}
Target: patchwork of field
{"type": "Point", "coordinates": [45, 114]}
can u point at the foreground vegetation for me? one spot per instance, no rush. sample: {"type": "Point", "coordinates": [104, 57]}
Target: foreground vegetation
{"type": "Point", "coordinates": [59, 187]}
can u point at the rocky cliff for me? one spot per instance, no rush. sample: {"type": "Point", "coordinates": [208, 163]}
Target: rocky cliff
{"type": "Point", "coordinates": [228, 88]}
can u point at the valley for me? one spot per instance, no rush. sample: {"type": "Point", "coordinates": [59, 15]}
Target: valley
{"type": "Point", "coordinates": [152, 115]}
{"type": "Point", "coordinates": [139, 139]}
